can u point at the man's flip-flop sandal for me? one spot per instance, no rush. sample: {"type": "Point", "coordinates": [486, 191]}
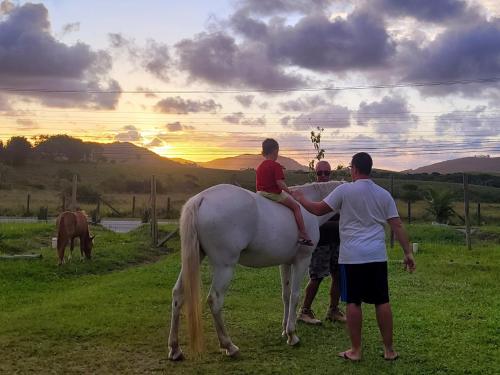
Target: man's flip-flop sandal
{"type": "Point", "coordinates": [347, 358]}
{"type": "Point", "coordinates": [390, 359]}
{"type": "Point", "coordinates": [303, 241]}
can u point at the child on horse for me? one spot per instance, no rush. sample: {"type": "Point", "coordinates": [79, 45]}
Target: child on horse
{"type": "Point", "coordinates": [270, 183]}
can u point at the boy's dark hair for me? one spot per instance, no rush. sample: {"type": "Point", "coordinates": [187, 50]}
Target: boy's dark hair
{"type": "Point", "coordinates": [363, 163]}
{"type": "Point", "coordinates": [269, 145]}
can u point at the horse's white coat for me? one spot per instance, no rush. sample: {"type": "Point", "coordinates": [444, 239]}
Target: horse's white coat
{"type": "Point", "coordinates": [235, 225]}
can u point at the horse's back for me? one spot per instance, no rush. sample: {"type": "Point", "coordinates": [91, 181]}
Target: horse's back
{"type": "Point", "coordinates": [72, 224]}
{"type": "Point", "coordinates": [226, 218]}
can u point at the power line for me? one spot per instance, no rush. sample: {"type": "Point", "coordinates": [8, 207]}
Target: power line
{"type": "Point", "coordinates": [270, 90]}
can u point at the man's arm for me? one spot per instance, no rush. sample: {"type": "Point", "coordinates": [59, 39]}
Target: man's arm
{"type": "Point", "coordinates": [317, 208]}
{"type": "Point", "coordinates": [402, 237]}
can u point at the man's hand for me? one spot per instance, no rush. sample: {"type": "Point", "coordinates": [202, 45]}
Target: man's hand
{"type": "Point", "coordinates": [409, 262]}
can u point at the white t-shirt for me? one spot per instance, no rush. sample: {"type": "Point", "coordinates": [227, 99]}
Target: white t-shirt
{"type": "Point", "coordinates": [364, 209]}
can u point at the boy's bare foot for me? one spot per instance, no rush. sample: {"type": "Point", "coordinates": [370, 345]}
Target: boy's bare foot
{"type": "Point", "coordinates": [350, 356]}
{"type": "Point", "coordinates": [390, 355]}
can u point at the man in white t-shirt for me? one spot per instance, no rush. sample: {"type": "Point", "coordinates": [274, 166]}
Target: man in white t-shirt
{"type": "Point", "coordinates": [364, 209]}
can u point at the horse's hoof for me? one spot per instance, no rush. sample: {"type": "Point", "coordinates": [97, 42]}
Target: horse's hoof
{"type": "Point", "coordinates": [292, 341]}
{"type": "Point", "coordinates": [175, 355]}
{"type": "Point", "coordinates": [232, 351]}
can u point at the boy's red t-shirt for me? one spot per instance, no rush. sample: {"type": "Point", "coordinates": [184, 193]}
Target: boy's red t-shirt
{"type": "Point", "coordinates": [268, 172]}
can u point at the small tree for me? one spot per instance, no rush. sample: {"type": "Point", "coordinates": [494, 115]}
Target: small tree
{"type": "Point", "coordinates": [440, 205]}
{"type": "Point", "coordinates": [17, 151]}
{"type": "Point", "coordinates": [320, 153]}
{"type": "Point", "coordinates": [410, 194]}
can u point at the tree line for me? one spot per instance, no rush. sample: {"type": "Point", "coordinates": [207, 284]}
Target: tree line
{"type": "Point", "coordinates": [18, 150]}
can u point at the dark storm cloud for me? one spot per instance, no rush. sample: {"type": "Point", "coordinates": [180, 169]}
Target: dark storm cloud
{"type": "Point", "coordinates": [245, 100]}
{"type": "Point", "coordinates": [331, 116]}
{"type": "Point", "coordinates": [32, 58]}
{"type": "Point", "coordinates": [315, 42]}
{"type": "Point", "coordinates": [436, 11]}
{"type": "Point", "coordinates": [390, 114]}
{"type": "Point", "coordinates": [459, 53]}
{"type": "Point", "coordinates": [217, 58]}
{"type": "Point", "coordinates": [477, 122]}
{"type": "Point", "coordinates": [178, 105]}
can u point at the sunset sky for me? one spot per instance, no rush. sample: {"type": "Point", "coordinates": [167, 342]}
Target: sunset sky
{"type": "Point", "coordinates": [411, 82]}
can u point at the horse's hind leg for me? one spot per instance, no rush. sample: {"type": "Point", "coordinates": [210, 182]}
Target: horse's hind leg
{"type": "Point", "coordinates": [298, 270]}
{"type": "Point", "coordinates": [61, 245]}
{"type": "Point", "coordinates": [221, 278]}
{"type": "Point", "coordinates": [175, 352]}
{"type": "Point", "coordinates": [285, 293]}
{"type": "Point", "coordinates": [71, 246]}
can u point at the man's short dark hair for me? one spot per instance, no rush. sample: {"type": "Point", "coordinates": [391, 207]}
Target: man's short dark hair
{"type": "Point", "coordinates": [269, 145]}
{"type": "Point", "coordinates": [363, 163]}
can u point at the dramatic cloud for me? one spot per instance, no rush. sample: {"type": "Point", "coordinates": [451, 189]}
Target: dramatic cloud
{"type": "Point", "coordinates": [217, 58]}
{"type": "Point", "coordinates": [180, 106]}
{"type": "Point", "coordinates": [303, 104]}
{"type": "Point", "coordinates": [269, 7]}
{"type": "Point", "coordinates": [32, 58]}
{"type": "Point", "coordinates": [458, 53]}
{"type": "Point", "coordinates": [234, 118]}
{"type": "Point", "coordinates": [154, 57]}
{"type": "Point", "coordinates": [332, 116]}
{"type": "Point", "coordinates": [436, 11]}
{"type": "Point", "coordinates": [156, 142]}
{"type": "Point", "coordinates": [245, 100]}
{"type": "Point", "coordinates": [390, 115]}
{"type": "Point", "coordinates": [470, 124]}
{"type": "Point", "coordinates": [239, 118]}
{"type": "Point", "coordinates": [131, 134]}
{"type": "Point", "coordinates": [177, 127]}
{"type": "Point", "coordinates": [70, 28]}
{"type": "Point", "coordinates": [27, 124]}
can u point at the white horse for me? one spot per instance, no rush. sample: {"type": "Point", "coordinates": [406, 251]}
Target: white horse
{"type": "Point", "coordinates": [231, 225]}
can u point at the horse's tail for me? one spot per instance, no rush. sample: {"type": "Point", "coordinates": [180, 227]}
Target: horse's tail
{"type": "Point", "coordinates": [190, 254]}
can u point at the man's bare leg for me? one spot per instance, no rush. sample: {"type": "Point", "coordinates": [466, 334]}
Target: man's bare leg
{"type": "Point", "coordinates": [354, 323]}
{"type": "Point", "coordinates": [384, 320]}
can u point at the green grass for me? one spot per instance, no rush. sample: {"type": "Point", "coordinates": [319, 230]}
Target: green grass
{"type": "Point", "coordinates": [111, 315]}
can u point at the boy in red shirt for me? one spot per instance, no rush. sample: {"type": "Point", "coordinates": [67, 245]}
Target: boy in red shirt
{"type": "Point", "coordinates": [271, 184]}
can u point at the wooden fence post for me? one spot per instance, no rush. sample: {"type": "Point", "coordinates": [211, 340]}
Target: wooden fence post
{"type": "Point", "coordinates": [168, 205]}
{"type": "Point", "coordinates": [478, 214]}
{"type": "Point", "coordinates": [98, 211]}
{"type": "Point", "coordinates": [392, 194]}
{"type": "Point", "coordinates": [64, 202]}
{"type": "Point", "coordinates": [466, 212]}
{"type": "Point", "coordinates": [28, 198]}
{"type": "Point", "coordinates": [133, 206]}
{"type": "Point", "coordinates": [154, 222]}
{"type": "Point", "coordinates": [73, 192]}
{"type": "Point", "coordinates": [409, 211]}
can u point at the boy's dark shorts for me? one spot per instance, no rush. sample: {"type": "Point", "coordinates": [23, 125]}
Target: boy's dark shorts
{"type": "Point", "coordinates": [365, 282]}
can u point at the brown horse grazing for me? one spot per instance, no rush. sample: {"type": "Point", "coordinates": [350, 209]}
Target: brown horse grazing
{"type": "Point", "coordinates": [69, 226]}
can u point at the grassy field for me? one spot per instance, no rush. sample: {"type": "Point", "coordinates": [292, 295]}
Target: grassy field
{"type": "Point", "coordinates": [111, 315]}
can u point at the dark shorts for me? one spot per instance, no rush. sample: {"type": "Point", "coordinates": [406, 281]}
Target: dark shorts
{"type": "Point", "coordinates": [366, 282]}
{"type": "Point", "coordinates": [324, 261]}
